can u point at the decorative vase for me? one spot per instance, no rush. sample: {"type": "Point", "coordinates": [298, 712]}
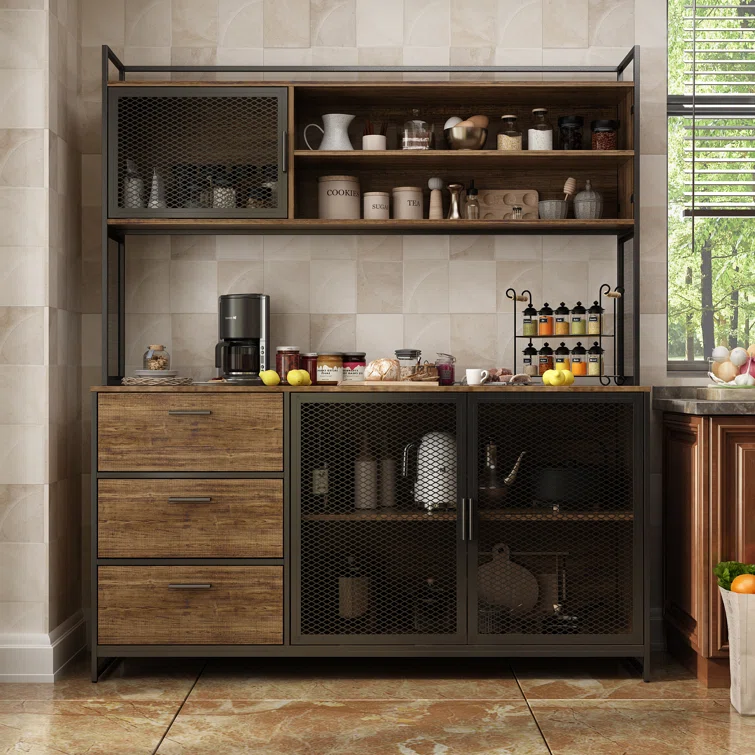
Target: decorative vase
{"type": "Point", "coordinates": [335, 135]}
{"type": "Point", "coordinates": [588, 204]}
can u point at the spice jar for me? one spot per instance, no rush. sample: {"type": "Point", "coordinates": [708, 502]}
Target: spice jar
{"type": "Point", "coordinates": [595, 360]}
{"type": "Point", "coordinates": [545, 321]}
{"type": "Point", "coordinates": [562, 361]}
{"type": "Point", "coordinates": [509, 137]}
{"type": "Point", "coordinates": [329, 368]}
{"type": "Point", "coordinates": [579, 360]}
{"type": "Point", "coordinates": [286, 359]}
{"type": "Point", "coordinates": [308, 362]}
{"type": "Point", "coordinates": [445, 364]}
{"type": "Point", "coordinates": [605, 134]}
{"type": "Point", "coordinates": [578, 325]}
{"type": "Point", "coordinates": [562, 320]}
{"type": "Point", "coordinates": [354, 364]}
{"type": "Point", "coordinates": [545, 359]}
{"type": "Point", "coordinates": [529, 321]}
{"type": "Point", "coordinates": [570, 131]}
{"type": "Point", "coordinates": [408, 360]}
{"type": "Point", "coordinates": [407, 203]}
{"type": "Point", "coordinates": [540, 134]}
{"type": "Point", "coordinates": [156, 358]}
{"type": "Point", "coordinates": [595, 319]}
{"type": "Point", "coordinates": [530, 361]}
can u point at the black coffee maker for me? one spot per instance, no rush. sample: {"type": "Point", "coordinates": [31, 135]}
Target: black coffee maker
{"type": "Point", "coordinates": [244, 333]}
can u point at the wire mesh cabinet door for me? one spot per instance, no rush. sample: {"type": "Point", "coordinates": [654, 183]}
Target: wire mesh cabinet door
{"type": "Point", "coordinates": [556, 554]}
{"type": "Point", "coordinates": [197, 152]}
{"type": "Point", "coordinates": [377, 541]}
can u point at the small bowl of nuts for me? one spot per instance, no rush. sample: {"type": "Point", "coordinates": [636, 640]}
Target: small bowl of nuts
{"type": "Point", "coordinates": [156, 358]}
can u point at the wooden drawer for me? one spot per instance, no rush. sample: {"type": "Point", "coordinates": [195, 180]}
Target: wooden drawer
{"type": "Point", "coordinates": [190, 432]}
{"type": "Point", "coordinates": [157, 605]}
{"type": "Point", "coordinates": [190, 519]}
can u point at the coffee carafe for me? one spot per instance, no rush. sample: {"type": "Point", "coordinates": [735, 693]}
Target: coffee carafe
{"type": "Point", "coordinates": [244, 333]}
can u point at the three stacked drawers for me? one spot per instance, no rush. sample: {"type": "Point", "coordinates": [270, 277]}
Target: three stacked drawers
{"type": "Point", "coordinates": [189, 519]}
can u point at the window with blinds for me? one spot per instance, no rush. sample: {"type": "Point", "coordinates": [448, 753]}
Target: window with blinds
{"type": "Point", "coordinates": [711, 139]}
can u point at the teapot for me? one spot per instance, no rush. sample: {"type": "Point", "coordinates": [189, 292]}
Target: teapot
{"type": "Point", "coordinates": [335, 135]}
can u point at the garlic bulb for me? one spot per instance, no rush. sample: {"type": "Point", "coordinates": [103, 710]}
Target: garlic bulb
{"type": "Point", "coordinates": [738, 356]}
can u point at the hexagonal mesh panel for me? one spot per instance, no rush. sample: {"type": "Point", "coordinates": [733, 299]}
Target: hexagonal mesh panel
{"type": "Point", "coordinates": [204, 155]}
{"type": "Point", "coordinates": [378, 549]}
{"type": "Point", "coordinates": [555, 539]}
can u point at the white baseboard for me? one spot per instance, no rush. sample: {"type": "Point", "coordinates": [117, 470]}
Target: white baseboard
{"type": "Point", "coordinates": [41, 657]}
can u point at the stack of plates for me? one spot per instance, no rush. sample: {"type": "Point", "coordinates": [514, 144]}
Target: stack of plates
{"type": "Point", "coordinates": [155, 373]}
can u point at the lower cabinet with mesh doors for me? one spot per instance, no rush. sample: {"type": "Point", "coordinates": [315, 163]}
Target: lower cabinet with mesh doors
{"type": "Point", "coordinates": [462, 522]}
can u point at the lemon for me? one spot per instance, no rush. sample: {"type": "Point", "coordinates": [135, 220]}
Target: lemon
{"type": "Point", "coordinates": [558, 378]}
{"type": "Point", "coordinates": [295, 378]}
{"type": "Point", "coordinates": [547, 376]}
{"type": "Point", "coordinates": [270, 377]}
{"type": "Point", "coordinates": [305, 378]}
{"type": "Point", "coordinates": [569, 377]}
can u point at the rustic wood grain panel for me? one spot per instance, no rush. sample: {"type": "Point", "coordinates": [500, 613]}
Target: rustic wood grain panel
{"type": "Point", "coordinates": [242, 519]}
{"type": "Point", "coordinates": [243, 606]}
{"type": "Point", "coordinates": [138, 433]}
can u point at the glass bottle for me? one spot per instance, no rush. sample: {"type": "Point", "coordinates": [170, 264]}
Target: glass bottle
{"type": "Point", "coordinates": [529, 360]}
{"type": "Point", "coordinates": [562, 361]}
{"type": "Point", "coordinates": [417, 134]}
{"type": "Point", "coordinates": [595, 360]}
{"type": "Point", "coordinates": [545, 321]}
{"type": "Point", "coordinates": [545, 358]}
{"type": "Point", "coordinates": [472, 206]}
{"type": "Point", "coordinates": [509, 137]}
{"type": "Point", "coordinates": [529, 321]}
{"type": "Point", "coordinates": [489, 474]}
{"type": "Point", "coordinates": [578, 325]}
{"type": "Point", "coordinates": [540, 134]}
{"type": "Point", "coordinates": [579, 360]}
{"type": "Point", "coordinates": [353, 591]}
{"type": "Point", "coordinates": [562, 320]}
{"type": "Point", "coordinates": [595, 319]}
{"type": "Point", "coordinates": [156, 358]}
{"type": "Point", "coordinates": [365, 477]}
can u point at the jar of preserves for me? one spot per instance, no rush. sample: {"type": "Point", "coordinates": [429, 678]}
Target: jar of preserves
{"type": "Point", "coordinates": [544, 359]}
{"type": "Point", "coordinates": [595, 360]}
{"type": "Point", "coordinates": [562, 320]}
{"type": "Point", "coordinates": [578, 324]}
{"type": "Point", "coordinates": [545, 321]}
{"type": "Point", "coordinates": [308, 362]}
{"type": "Point", "coordinates": [595, 319]}
{"type": "Point", "coordinates": [529, 321]}
{"type": "Point", "coordinates": [408, 360]}
{"type": "Point", "coordinates": [530, 361]}
{"type": "Point", "coordinates": [540, 134]}
{"type": "Point", "coordinates": [605, 134]}
{"type": "Point", "coordinates": [579, 360]}
{"type": "Point", "coordinates": [353, 366]}
{"type": "Point", "coordinates": [286, 359]}
{"type": "Point", "coordinates": [329, 367]}
{"type": "Point", "coordinates": [570, 131]}
{"type": "Point", "coordinates": [446, 366]}
{"type": "Point", "coordinates": [156, 358]}
{"type": "Point", "coordinates": [561, 358]}
{"type": "Point", "coordinates": [509, 137]}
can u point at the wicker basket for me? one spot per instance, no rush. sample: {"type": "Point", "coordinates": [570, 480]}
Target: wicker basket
{"type": "Point", "coordinates": [156, 381]}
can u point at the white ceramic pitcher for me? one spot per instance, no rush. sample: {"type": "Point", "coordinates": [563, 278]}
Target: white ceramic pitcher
{"type": "Point", "coordinates": [335, 135]}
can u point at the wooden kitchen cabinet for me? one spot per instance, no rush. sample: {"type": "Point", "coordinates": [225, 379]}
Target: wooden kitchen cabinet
{"type": "Point", "coordinates": [709, 494]}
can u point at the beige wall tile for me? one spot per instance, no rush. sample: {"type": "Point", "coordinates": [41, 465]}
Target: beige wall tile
{"type": "Point", "coordinates": [426, 287]}
{"type": "Point", "coordinates": [144, 329]}
{"type": "Point", "coordinates": [426, 56]}
{"type": "Point", "coordinates": [103, 23]}
{"type": "Point", "coordinates": [23, 39]}
{"type": "Point", "coordinates": [192, 247]}
{"type": "Point", "coordinates": [333, 23]}
{"type": "Point", "coordinates": [91, 290]}
{"type": "Point", "coordinates": [472, 286]}
{"type": "Point", "coordinates": [239, 56]}
{"type": "Point", "coordinates": [336, 332]}
{"type": "Point", "coordinates": [91, 180]}
{"type": "Point", "coordinates": [333, 287]}
{"type": "Point", "coordinates": [518, 56]}
{"type": "Point", "coordinates": [578, 248]}
{"type": "Point", "coordinates": [149, 56]}
{"type": "Point", "coordinates": [277, 248]}
{"type": "Point", "coordinates": [379, 287]}
{"type": "Point", "coordinates": [22, 335]}
{"type": "Point", "coordinates": [519, 276]}
{"type": "Point", "coordinates": [430, 333]}
{"type": "Point", "coordinates": [240, 277]}
{"type": "Point", "coordinates": [287, 56]}
{"type": "Point", "coordinates": [194, 23]}
{"type": "Point", "coordinates": [147, 285]}
{"type": "Point", "coordinates": [26, 562]}
{"type": "Point", "coordinates": [427, 23]}
{"type": "Point", "coordinates": [565, 23]}
{"type": "Point", "coordinates": [474, 24]}
{"type": "Point", "coordinates": [287, 284]}
{"type": "Point", "coordinates": [567, 282]}
{"type": "Point", "coordinates": [193, 340]}
{"type": "Point", "coordinates": [23, 100]}
{"type": "Point", "coordinates": [650, 24]}
{"type": "Point", "coordinates": [471, 56]}
{"type": "Point", "coordinates": [611, 23]}
{"type": "Point", "coordinates": [23, 276]}
{"type": "Point", "coordinates": [22, 514]}
{"type": "Point", "coordinates": [193, 56]}
{"type": "Point", "coordinates": [23, 395]}
{"type": "Point", "coordinates": [333, 247]}
{"type": "Point", "coordinates": [473, 341]}
{"type": "Point", "coordinates": [520, 22]}
{"type": "Point", "coordinates": [240, 23]}
{"type": "Point", "coordinates": [149, 247]}
{"type": "Point", "coordinates": [23, 616]}
{"type": "Point", "coordinates": [380, 24]}
{"type": "Point", "coordinates": [472, 247]}
{"type": "Point", "coordinates": [91, 340]}
{"type": "Point", "coordinates": [378, 335]}
{"type": "Point", "coordinates": [193, 286]}
{"type": "Point", "coordinates": [507, 344]}
{"type": "Point", "coordinates": [380, 248]}
{"type": "Point", "coordinates": [148, 23]}
{"type": "Point", "coordinates": [426, 247]}
{"type": "Point", "coordinates": [286, 23]}
{"type": "Point", "coordinates": [238, 248]}
{"type": "Point", "coordinates": [23, 459]}
{"type": "Point", "coordinates": [336, 56]}
{"type": "Point", "coordinates": [289, 330]}
{"type": "Point", "coordinates": [518, 248]}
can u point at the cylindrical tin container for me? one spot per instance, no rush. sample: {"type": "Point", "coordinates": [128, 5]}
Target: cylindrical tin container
{"type": "Point", "coordinates": [377, 205]}
{"type": "Point", "coordinates": [339, 198]}
{"type": "Point", "coordinates": [407, 203]}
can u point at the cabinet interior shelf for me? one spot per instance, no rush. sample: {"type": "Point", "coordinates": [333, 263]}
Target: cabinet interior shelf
{"type": "Point", "coordinates": [511, 515]}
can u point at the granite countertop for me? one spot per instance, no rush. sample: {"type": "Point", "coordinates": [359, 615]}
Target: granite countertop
{"type": "Point", "coordinates": [702, 401]}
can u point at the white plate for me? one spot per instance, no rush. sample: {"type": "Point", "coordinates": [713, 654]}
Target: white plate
{"type": "Point", "coordinates": [155, 373]}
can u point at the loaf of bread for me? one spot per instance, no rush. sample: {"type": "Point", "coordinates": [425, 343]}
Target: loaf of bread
{"type": "Point", "coordinates": [382, 369]}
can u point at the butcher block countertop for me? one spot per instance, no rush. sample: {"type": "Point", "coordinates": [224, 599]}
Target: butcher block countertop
{"type": "Point", "coordinates": [376, 387]}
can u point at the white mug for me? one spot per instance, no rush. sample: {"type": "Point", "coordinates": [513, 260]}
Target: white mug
{"type": "Point", "coordinates": [477, 377]}
{"type": "Point", "coordinates": [374, 142]}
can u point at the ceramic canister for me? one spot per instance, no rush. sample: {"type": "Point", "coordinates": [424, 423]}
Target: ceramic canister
{"type": "Point", "coordinates": [377, 205]}
{"type": "Point", "coordinates": [407, 203]}
{"type": "Point", "coordinates": [339, 198]}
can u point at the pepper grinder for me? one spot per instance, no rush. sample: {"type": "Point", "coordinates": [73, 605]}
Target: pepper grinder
{"type": "Point", "coordinates": [436, 198]}
{"type": "Point", "coordinates": [454, 212]}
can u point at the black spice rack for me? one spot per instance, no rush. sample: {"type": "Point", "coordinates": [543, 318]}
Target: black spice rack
{"type": "Point", "coordinates": [605, 291]}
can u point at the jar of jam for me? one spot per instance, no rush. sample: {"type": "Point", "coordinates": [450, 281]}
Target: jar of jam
{"type": "Point", "coordinates": [529, 321]}
{"type": "Point", "coordinates": [286, 359]}
{"type": "Point", "coordinates": [309, 363]}
{"type": "Point", "coordinates": [578, 324]}
{"type": "Point", "coordinates": [353, 366]}
{"type": "Point", "coordinates": [446, 366]}
{"type": "Point", "coordinates": [595, 319]}
{"type": "Point", "coordinates": [529, 361]}
{"type": "Point", "coordinates": [579, 360]}
{"type": "Point", "coordinates": [329, 367]}
{"type": "Point", "coordinates": [595, 360]}
{"type": "Point", "coordinates": [545, 359]}
{"type": "Point", "coordinates": [562, 361]}
{"type": "Point", "coordinates": [545, 321]}
{"type": "Point", "coordinates": [562, 320]}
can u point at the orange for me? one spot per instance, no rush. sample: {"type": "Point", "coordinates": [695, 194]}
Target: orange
{"type": "Point", "coordinates": [744, 584]}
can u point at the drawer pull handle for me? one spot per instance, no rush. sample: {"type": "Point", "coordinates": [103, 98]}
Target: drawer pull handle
{"type": "Point", "coordinates": [190, 586]}
{"type": "Point", "coordinates": [189, 499]}
{"type": "Point", "coordinates": [187, 412]}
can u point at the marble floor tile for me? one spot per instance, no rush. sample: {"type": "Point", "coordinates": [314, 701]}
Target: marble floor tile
{"type": "Point", "coordinates": [644, 727]}
{"type": "Point", "coordinates": [342, 679]}
{"type": "Point", "coordinates": [417, 727]}
{"type": "Point", "coordinates": [561, 679]}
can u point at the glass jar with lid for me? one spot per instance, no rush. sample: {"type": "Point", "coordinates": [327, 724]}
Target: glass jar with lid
{"type": "Point", "coordinates": [570, 131]}
{"type": "Point", "coordinates": [509, 137]}
{"type": "Point", "coordinates": [530, 361]}
{"type": "Point", "coordinates": [417, 134]}
{"type": "Point", "coordinates": [578, 324]}
{"type": "Point", "coordinates": [329, 367]}
{"type": "Point", "coordinates": [408, 360]}
{"type": "Point", "coordinates": [544, 358]}
{"type": "Point", "coordinates": [595, 319]}
{"type": "Point", "coordinates": [446, 366]}
{"type": "Point", "coordinates": [529, 321]}
{"type": "Point", "coordinates": [561, 357]}
{"type": "Point", "coordinates": [308, 362]}
{"type": "Point", "coordinates": [286, 359]}
{"type": "Point", "coordinates": [156, 358]}
{"type": "Point", "coordinates": [579, 360]}
{"type": "Point", "coordinates": [540, 133]}
{"type": "Point", "coordinates": [605, 134]}
{"type": "Point", "coordinates": [562, 320]}
{"type": "Point", "coordinates": [595, 360]}
{"type": "Point", "coordinates": [545, 321]}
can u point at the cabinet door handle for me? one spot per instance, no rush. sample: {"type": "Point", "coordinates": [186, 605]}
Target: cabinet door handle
{"type": "Point", "coordinates": [463, 519]}
{"type": "Point", "coordinates": [470, 528]}
{"type": "Point", "coordinates": [284, 152]}
{"type": "Point", "coordinates": [189, 499]}
{"type": "Point", "coordinates": [190, 586]}
{"type": "Point", "coordinates": [188, 412]}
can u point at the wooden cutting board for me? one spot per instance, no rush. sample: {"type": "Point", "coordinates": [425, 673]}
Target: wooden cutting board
{"type": "Point", "coordinates": [498, 204]}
